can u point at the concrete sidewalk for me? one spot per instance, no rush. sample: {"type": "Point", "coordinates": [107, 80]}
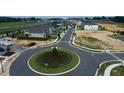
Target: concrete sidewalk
{"type": "Point", "coordinates": [6, 64]}
{"type": "Point", "coordinates": [109, 69]}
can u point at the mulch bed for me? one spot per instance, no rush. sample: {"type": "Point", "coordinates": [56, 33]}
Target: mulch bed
{"type": "Point", "coordinates": [58, 60]}
{"type": "Point", "coordinates": [8, 53]}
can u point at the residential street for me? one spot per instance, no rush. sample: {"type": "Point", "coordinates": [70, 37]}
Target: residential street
{"type": "Point", "coordinates": [89, 61]}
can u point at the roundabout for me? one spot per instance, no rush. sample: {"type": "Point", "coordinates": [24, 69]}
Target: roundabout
{"type": "Point", "coordinates": [53, 61]}
{"type": "Point", "coordinates": [87, 64]}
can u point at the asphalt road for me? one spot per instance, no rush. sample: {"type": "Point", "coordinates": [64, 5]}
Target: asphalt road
{"type": "Point", "coordinates": [89, 61]}
{"type": "Point", "coordinates": [6, 27]}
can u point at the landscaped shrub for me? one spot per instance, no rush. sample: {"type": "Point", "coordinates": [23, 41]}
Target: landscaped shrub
{"type": "Point", "coordinates": [27, 38]}
{"type": "Point", "coordinates": [8, 49]}
{"type": "Point", "coordinates": [8, 53]}
{"type": "Point", "coordinates": [90, 39]}
{"type": "Point", "coordinates": [55, 50]}
{"type": "Point", "coordinates": [31, 44]}
{"type": "Point", "coordinates": [102, 28]}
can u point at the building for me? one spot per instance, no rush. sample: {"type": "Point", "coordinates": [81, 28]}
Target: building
{"type": "Point", "coordinates": [88, 25]}
{"type": "Point", "coordinates": [57, 24]}
{"type": "Point", "coordinates": [38, 31]}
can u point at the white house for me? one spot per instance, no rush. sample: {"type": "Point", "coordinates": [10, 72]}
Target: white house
{"type": "Point", "coordinates": [38, 31]}
{"type": "Point", "coordinates": [87, 25]}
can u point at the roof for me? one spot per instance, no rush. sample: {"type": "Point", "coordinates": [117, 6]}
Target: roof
{"type": "Point", "coordinates": [56, 24]}
{"type": "Point", "coordinates": [87, 23]}
{"type": "Point", "coordinates": [38, 28]}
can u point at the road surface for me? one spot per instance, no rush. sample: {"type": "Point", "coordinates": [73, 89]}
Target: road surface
{"type": "Point", "coordinates": [89, 61]}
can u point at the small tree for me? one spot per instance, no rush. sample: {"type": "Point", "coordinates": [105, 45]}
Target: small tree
{"type": "Point", "coordinates": [74, 34]}
{"type": "Point", "coordinates": [13, 35]}
{"type": "Point", "coordinates": [19, 31]}
{"type": "Point", "coordinates": [118, 31]}
{"type": "Point", "coordinates": [103, 28]}
{"type": "Point", "coordinates": [55, 50]}
{"type": "Point", "coordinates": [7, 34]}
{"type": "Point", "coordinates": [59, 36]}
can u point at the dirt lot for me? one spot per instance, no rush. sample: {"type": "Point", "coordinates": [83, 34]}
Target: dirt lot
{"type": "Point", "coordinates": [99, 40]}
{"type": "Point", "coordinates": [27, 42]}
{"type": "Point", "coordinates": [112, 27]}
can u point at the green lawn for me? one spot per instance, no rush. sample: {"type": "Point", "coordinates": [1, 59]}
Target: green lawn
{"type": "Point", "coordinates": [60, 31]}
{"type": "Point", "coordinates": [16, 23]}
{"type": "Point", "coordinates": [34, 63]}
{"type": "Point", "coordinates": [21, 34]}
{"type": "Point", "coordinates": [2, 31]}
{"type": "Point", "coordinates": [104, 66]}
{"type": "Point", "coordinates": [11, 23]}
{"type": "Point", "coordinates": [20, 25]}
{"type": "Point", "coordinates": [90, 39]}
{"type": "Point", "coordinates": [118, 71]}
{"type": "Point", "coordinates": [79, 28]}
{"type": "Point", "coordinates": [103, 22]}
{"type": "Point", "coordinates": [53, 36]}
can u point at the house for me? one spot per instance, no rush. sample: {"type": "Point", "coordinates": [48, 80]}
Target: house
{"type": "Point", "coordinates": [38, 31]}
{"type": "Point", "coordinates": [88, 25]}
{"type": "Point", "coordinates": [57, 24]}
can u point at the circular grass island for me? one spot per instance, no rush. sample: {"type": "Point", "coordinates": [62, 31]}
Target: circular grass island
{"type": "Point", "coordinates": [53, 62]}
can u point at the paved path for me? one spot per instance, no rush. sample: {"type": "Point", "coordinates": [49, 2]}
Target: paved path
{"type": "Point", "coordinates": [88, 61]}
{"type": "Point", "coordinates": [109, 68]}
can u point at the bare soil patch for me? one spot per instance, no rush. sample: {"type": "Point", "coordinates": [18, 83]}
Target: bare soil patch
{"type": "Point", "coordinates": [26, 43]}
{"type": "Point", "coordinates": [103, 40]}
{"type": "Point", "coordinates": [113, 27]}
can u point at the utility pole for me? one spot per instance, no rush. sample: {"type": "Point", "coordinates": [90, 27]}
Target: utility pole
{"type": "Point", "coordinates": [1, 65]}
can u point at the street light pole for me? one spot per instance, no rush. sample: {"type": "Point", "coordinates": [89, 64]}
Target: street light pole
{"type": "Point", "coordinates": [1, 65]}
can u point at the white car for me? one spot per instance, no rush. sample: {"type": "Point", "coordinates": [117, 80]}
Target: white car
{"type": "Point", "coordinates": [5, 42]}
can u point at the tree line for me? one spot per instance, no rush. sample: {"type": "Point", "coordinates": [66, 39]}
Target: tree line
{"type": "Point", "coordinates": [12, 19]}
{"type": "Point", "coordinates": [119, 19]}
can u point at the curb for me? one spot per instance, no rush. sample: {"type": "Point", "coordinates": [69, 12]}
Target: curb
{"type": "Point", "coordinates": [44, 44]}
{"type": "Point", "coordinates": [56, 73]}
{"type": "Point", "coordinates": [109, 69]}
{"type": "Point", "coordinates": [50, 44]}
{"type": "Point", "coordinates": [79, 47]}
{"type": "Point", "coordinates": [90, 49]}
{"type": "Point", "coordinates": [7, 58]}
{"type": "Point", "coordinates": [13, 57]}
{"type": "Point", "coordinates": [96, 74]}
